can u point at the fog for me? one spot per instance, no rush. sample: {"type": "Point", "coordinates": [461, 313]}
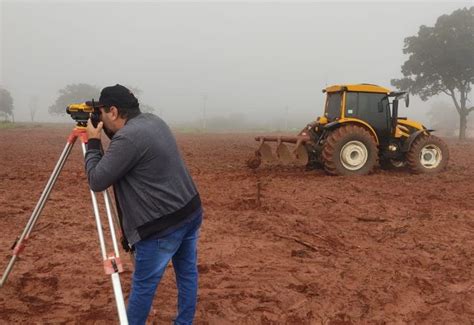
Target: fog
{"type": "Point", "coordinates": [259, 61]}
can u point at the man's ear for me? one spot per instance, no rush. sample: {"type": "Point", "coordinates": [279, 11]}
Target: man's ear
{"type": "Point", "coordinates": [115, 112]}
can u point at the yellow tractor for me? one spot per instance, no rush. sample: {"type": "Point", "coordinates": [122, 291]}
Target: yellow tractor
{"type": "Point", "coordinates": [359, 130]}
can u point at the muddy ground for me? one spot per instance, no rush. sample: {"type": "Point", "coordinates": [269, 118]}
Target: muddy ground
{"type": "Point", "coordinates": [312, 249]}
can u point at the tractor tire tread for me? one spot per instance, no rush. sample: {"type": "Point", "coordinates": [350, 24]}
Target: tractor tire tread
{"type": "Point", "coordinates": [412, 157]}
{"type": "Point", "coordinates": [338, 135]}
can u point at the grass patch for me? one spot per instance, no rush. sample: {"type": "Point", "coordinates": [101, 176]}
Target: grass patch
{"type": "Point", "coordinates": [34, 125]}
{"type": "Point", "coordinates": [7, 125]}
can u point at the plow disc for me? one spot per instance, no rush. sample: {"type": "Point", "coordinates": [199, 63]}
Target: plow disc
{"type": "Point", "coordinates": [297, 154]}
{"type": "Point", "coordinates": [265, 152]}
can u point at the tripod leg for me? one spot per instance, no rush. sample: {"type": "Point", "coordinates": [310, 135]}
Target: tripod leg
{"type": "Point", "coordinates": [114, 214]}
{"type": "Point", "coordinates": [108, 209]}
{"type": "Point", "coordinates": [115, 276]}
{"type": "Point", "coordinates": [112, 264]}
{"type": "Point", "coordinates": [20, 243]}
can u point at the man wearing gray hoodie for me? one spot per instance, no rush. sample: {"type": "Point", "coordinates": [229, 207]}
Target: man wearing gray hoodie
{"type": "Point", "coordinates": [160, 208]}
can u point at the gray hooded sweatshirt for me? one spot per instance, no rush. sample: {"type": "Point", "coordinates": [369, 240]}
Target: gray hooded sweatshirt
{"type": "Point", "coordinates": [154, 190]}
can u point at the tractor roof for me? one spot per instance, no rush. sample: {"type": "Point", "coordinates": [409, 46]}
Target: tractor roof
{"type": "Point", "coordinates": [369, 88]}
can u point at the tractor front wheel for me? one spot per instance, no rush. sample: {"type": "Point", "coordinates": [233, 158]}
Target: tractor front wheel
{"type": "Point", "coordinates": [349, 150]}
{"type": "Point", "coordinates": [427, 154]}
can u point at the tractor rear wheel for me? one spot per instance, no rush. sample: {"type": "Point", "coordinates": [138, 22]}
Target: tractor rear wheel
{"type": "Point", "coordinates": [427, 155]}
{"type": "Point", "coordinates": [350, 150]}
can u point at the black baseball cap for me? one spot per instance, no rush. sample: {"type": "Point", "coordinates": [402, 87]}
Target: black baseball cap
{"type": "Point", "coordinates": [118, 96]}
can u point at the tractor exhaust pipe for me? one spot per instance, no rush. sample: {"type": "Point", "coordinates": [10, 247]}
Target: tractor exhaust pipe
{"type": "Point", "coordinates": [394, 116]}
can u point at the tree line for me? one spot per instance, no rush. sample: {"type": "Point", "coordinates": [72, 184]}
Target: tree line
{"type": "Point", "coordinates": [440, 61]}
{"type": "Point", "coordinates": [77, 93]}
{"type": "Point", "coordinates": [73, 93]}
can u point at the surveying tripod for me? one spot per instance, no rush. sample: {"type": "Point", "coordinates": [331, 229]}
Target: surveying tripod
{"type": "Point", "coordinates": [112, 263]}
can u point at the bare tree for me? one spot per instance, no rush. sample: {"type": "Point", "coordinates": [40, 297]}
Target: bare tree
{"type": "Point", "coordinates": [33, 106]}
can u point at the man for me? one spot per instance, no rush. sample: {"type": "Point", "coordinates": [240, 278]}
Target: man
{"type": "Point", "coordinates": [160, 206]}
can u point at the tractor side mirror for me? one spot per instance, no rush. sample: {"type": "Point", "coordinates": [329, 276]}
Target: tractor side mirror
{"type": "Point", "coordinates": [407, 99]}
{"type": "Point", "coordinates": [380, 106]}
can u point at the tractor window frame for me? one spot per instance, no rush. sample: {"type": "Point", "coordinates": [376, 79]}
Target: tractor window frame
{"type": "Point", "coordinates": [333, 105]}
{"type": "Point", "coordinates": [367, 110]}
{"type": "Point", "coordinates": [352, 104]}
{"type": "Point", "coordinates": [370, 105]}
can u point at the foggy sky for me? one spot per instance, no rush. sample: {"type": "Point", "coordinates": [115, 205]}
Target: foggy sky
{"type": "Point", "coordinates": [250, 58]}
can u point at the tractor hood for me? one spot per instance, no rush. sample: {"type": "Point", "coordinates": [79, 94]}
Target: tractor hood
{"type": "Point", "coordinates": [410, 123]}
{"type": "Point", "coordinates": [406, 127]}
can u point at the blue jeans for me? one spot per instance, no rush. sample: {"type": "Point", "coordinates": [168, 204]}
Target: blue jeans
{"type": "Point", "coordinates": [151, 258]}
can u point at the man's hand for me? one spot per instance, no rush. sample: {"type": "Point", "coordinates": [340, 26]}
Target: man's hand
{"type": "Point", "coordinates": [92, 132]}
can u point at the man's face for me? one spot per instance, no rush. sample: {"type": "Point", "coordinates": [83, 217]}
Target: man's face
{"type": "Point", "coordinates": [108, 118]}
{"type": "Point", "coordinates": [112, 120]}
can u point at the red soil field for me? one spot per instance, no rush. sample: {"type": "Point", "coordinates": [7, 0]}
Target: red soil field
{"type": "Point", "coordinates": [390, 247]}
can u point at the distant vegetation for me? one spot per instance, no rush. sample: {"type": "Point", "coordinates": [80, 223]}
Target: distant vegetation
{"type": "Point", "coordinates": [239, 122]}
{"type": "Point", "coordinates": [441, 61]}
{"type": "Point", "coordinates": [6, 105]}
{"type": "Point", "coordinates": [7, 125]}
{"type": "Point", "coordinates": [80, 93]}
{"type": "Point", "coordinates": [72, 94]}
{"type": "Point", "coordinates": [445, 121]}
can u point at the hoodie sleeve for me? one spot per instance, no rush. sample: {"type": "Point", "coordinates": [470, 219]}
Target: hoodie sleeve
{"type": "Point", "coordinates": [105, 170]}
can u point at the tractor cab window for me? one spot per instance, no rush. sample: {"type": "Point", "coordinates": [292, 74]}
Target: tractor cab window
{"type": "Point", "coordinates": [365, 106]}
{"type": "Point", "coordinates": [368, 104]}
{"type": "Point", "coordinates": [351, 104]}
{"type": "Point", "coordinates": [333, 109]}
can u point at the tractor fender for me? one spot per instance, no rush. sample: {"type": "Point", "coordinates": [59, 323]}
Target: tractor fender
{"type": "Point", "coordinates": [407, 145]}
{"type": "Point", "coordinates": [340, 122]}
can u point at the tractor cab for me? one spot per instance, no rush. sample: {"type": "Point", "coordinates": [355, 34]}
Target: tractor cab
{"type": "Point", "coordinates": [367, 103]}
